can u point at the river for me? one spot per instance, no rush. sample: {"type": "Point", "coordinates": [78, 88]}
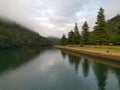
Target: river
{"type": "Point", "coordinates": [53, 69]}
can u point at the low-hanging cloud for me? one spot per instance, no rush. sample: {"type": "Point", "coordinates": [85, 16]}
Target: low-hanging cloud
{"type": "Point", "coordinates": [54, 17]}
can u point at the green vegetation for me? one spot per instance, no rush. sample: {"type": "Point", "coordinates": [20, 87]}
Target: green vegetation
{"type": "Point", "coordinates": [73, 37]}
{"type": "Point", "coordinates": [63, 40]}
{"type": "Point", "coordinates": [104, 32]}
{"type": "Point", "coordinates": [85, 33]}
{"type": "Point", "coordinates": [113, 26]}
{"type": "Point", "coordinates": [100, 30]}
{"type": "Point", "coordinates": [76, 35]}
{"type": "Point", "coordinates": [14, 35]}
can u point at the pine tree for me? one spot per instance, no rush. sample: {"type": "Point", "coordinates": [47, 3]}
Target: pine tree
{"type": "Point", "coordinates": [77, 35]}
{"type": "Point", "coordinates": [71, 37]}
{"type": "Point", "coordinates": [100, 32]}
{"type": "Point", "coordinates": [85, 33]}
{"type": "Point", "coordinates": [63, 40]}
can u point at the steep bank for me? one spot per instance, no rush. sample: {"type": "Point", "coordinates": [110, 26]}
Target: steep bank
{"type": "Point", "coordinates": [113, 56]}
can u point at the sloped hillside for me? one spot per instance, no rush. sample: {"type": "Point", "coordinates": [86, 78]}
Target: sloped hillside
{"type": "Point", "coordinates": [113, 26]}
{"type": "Point", "coordinates": [15, 35]}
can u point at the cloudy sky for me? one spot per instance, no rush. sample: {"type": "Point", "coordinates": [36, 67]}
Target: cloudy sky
{"type": "Point", "coordinates": [55, 17]}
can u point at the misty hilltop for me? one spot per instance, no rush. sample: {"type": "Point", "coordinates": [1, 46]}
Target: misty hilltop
{"type": "Point", "coordinates": [15, 35]}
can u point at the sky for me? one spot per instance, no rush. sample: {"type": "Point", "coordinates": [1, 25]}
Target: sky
{"type": "Point", "coordinates": [55, 17]}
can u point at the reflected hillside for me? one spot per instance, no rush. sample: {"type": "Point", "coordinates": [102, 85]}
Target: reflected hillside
{"type": "Point", "coordinates": [13, 58]}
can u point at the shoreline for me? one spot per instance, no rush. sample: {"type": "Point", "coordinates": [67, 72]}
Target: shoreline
{"type": "Point", "coordinates": [107, 56]}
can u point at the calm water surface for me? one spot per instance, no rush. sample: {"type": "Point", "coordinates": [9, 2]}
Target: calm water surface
{"type": "Point", "coordinates": [52, 69]}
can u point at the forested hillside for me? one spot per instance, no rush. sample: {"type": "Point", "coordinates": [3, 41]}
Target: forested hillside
{"type": "Point", "coordinates": [15, 35]}
{"type": "Point", "coordinates": [113, 26]}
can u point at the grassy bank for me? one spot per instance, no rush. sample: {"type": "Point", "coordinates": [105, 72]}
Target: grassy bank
{"type": "Point", "coordinates": [107, 52]}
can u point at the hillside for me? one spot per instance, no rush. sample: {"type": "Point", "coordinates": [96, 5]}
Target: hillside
{"type": "Point", "coordinates": [54, 40]}
{"type": "Point", "coordinates": [15, 35]}
{"type": "Point", "coordinates": [113, 26]}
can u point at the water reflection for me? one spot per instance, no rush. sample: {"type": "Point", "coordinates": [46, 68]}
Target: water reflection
{"type": "Point", "coordinates": [117, 73]}
{"type": "Point", "coordinates": [13, 58]}
{"type": "Point", "coordinates": [100, 70]}
{"type": "Point", "coordinates": [51, 69]}
{"type": "Point", "coordinates": [63, 54]}
{"type": "Point", "coordinates": [101, 73]}
{"type": "Point", "coordinates": [85, 66]}
{"type": "Point", "coordinates": [75, 61]}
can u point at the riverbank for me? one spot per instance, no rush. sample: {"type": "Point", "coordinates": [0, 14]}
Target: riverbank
{"type": "Point", "coordinates": [106, 52]}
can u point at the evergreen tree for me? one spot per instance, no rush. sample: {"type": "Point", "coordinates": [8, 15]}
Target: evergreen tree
{"type": "Point", "coordinates": [63, 40]}
{"type": "Point", "coordinates": [85, 33]}
{"type": "Point", "coordinates": [71, 37]}
{"type": "Point", "coordinates": [100, 32]}
{"type": "Point", "coordinates": [77, 35]}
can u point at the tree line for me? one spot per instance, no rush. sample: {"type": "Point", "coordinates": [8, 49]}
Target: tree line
{"type": "Point", "coordinates": [101, 34]}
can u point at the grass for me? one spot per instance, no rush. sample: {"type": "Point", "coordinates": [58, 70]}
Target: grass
{"type": "Point", "coordinates": [114, 50]}
{"type": "Point", "coordinates": [107, 52]}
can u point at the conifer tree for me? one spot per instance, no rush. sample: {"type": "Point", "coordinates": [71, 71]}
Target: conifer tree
{"type": "Point", "coordinates": [85, 33]}
{"type": "Point", "coordinates": [77, 35]}
{"type": "Point", "coordinates": [100, 32]}
{"type": "Point", "coordinates": [63, 40]}
{"type": "Point", "coordinates": [71, 37]}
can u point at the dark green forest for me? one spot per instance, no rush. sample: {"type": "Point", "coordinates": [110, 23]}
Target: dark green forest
{"type": "Point", "coordinates": [105, 32]}
{"type": "Point", "coordinates": [14, 35]}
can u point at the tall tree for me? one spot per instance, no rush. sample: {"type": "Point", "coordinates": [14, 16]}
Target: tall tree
{"type": "Point", "coordinates": [77, 35]}
{"type": "Point", "coordinates": [71, 37]}
{"type": "Point", "coordinates": [63, 40]}
{"type": "Point", "coordinates": [85, 33]}
{"type": "Point", "coordinates": [100, 32]}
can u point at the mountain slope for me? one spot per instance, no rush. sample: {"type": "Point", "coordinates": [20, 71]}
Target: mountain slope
{"type": "Point", "coordinates": [113, 26]}
{"type": "Point", "coordinates": [15, 35]}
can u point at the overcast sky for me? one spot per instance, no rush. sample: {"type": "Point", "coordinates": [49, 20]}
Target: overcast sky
{"type": "Point", "coordinates": [55, 17]}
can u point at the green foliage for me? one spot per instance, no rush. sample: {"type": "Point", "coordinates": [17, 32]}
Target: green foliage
{"type": "Point", "coordinates": [113, 26]}
{"type": "Point", "coordinates": [85, 33]}
{"type": "Point", "coordinates": [100, 30]}
{"type": "Point", "coordinates": [63, 40]}
{"type": "Point", "coordinates": [14, 35]}
{"type": "Point", "coordinates": [71, 37]}
{"type": "Point", "coordinates": [76, 35]}
{"type": "Point", "coordinates": [104, 33]}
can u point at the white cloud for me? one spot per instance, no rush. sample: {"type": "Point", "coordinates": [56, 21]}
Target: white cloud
{"type": "Point", "coordinates": [55, 17]}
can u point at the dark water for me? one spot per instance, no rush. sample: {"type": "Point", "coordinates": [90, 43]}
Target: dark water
{"type": "Point", "coordinates": [52, 69]}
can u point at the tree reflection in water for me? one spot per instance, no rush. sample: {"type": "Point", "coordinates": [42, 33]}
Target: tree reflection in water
{"type": "Point", "coordinates": [75, 61]}
{"type": "Point", "coordinates": [85, 67]}
{"type": "Point", "coordinates": [100, 70]}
